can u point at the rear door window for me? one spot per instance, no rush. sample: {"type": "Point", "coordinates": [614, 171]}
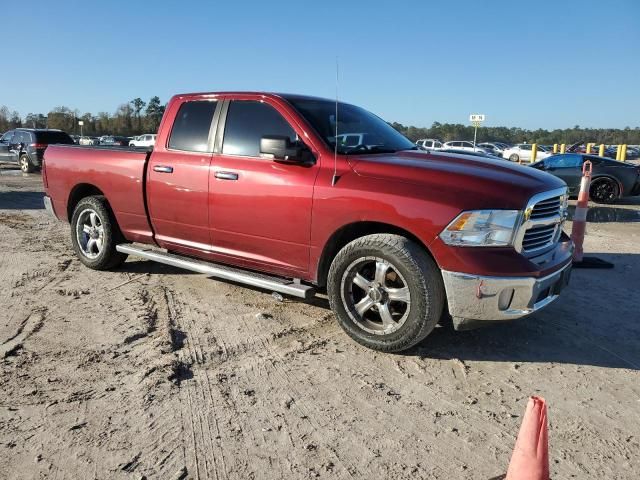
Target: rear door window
{"type": "Point", "coordinates": [191, 127]}
{"type": "Point", "coordinates": [247, 122]}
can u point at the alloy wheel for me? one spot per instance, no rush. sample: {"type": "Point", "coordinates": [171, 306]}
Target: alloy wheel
{"type": "Point", "coordinates": [90, 233]}
{"type": "Point", "coordinates": [376, 295]}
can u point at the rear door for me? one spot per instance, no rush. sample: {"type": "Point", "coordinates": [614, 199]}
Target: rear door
{"type": "Point", "coordinates": [178, 178]}
{"type": "Point", "coordinates": [18, 144]}
{"type": "Point", "coordinates": [260, 210]}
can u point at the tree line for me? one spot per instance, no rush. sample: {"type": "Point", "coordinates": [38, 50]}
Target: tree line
{"type": "Point", "coordinates": [137, 117]}
{"type": "Point", "coordinates": [457, 131]}
{"type": "Point", "coordinates": [132, 118]}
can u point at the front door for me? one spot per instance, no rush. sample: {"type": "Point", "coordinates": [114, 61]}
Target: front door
{"type": "Point", "coordinates": [178, 180]}
{"type": "Point", "coordinates": [5, 141]}
{"type": "Point", "coordinates": [568, 167]}
{"type": "Point", "coordinates": [260, 210]}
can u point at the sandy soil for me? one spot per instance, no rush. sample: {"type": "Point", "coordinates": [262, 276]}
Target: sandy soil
{"type": "Point", "coordinates": [151, 372]}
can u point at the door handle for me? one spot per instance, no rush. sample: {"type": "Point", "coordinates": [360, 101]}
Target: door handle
{"type": "Point", "coordinates": [163, 169]}
{"type": "Point", "coordinates": [226, 175]}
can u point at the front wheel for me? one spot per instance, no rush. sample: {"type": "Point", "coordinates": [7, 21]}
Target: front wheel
{"type": "Point", "coordinates": [95, 234]}
{"type": "Point", "coordinates": [386, 292]}
{"type": "Point", "coordinates": [514, 157]}
{"type": "Point", "coordinates": [604, 190]}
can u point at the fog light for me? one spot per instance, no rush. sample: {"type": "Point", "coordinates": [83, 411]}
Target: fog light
{"type": "Point", "coordinates": [505, 298]}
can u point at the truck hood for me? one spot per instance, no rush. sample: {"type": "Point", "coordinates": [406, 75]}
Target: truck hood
{"type": "Point", "coordinates": [462, 180]}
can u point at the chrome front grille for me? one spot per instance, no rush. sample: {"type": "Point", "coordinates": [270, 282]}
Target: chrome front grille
{"type": "Point", "coordinates": [546, 208]}
{"type": "Point", "coordinates": [542, 222]}
{"type": "Point", "coordinates": [538, 237]}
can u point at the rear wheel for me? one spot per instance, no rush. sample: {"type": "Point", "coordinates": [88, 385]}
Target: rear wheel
{"type": "Point", "coordinates": [25, 164]}
{"type": "Point", "coordinates": [95, 234]}
{"type": "Point", "coordinates": [604, 190]}
{"type": "Point", "coordinates": [386, 292]}
{"type": "Point", "coordinates": [514, 157]}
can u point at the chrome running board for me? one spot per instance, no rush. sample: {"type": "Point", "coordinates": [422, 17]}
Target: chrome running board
{"type": "Point", "coordinates": [223, 272]}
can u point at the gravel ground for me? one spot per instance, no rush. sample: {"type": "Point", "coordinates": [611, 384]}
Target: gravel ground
{"type": "Point", "coordinates": [152, 372]}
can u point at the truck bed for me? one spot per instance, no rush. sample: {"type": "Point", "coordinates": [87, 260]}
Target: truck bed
{"type": "Point", "coordinates": [119, 173]}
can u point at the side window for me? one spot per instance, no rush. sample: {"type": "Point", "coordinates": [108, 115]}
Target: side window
{"type": "Point", "coordinates": [525, 147]}
{"type": "Point", "coordinates": [247, 122]}
{"type": "Point", "coordinates": [7, 137]}
{"type": "Point", "coordinates": [564, 161]}
{"type": "Point", "coordinates": [22, 137]}
{"type": "Point", "coordinates": [191, 126]}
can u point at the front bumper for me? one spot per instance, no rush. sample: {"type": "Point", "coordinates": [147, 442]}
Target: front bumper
{"type": "Point", "coordinates": [476, 298]}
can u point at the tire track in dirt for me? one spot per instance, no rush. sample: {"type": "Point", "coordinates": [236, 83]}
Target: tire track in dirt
{"type": "Point", "coordinates": [30, 325]}
{"type": "Point", "coordinates": [243, 415]}
{"type": "Point", "coordinates": [161, 451]}
{"type": "Point", "coordinates": [202, 434]}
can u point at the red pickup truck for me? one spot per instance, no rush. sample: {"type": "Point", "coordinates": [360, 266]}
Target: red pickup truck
{"type": "Point", "coordinates": [271, 191]}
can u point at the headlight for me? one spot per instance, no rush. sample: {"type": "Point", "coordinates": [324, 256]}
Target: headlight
{"type": "Point", "coordinates": [482, 228]}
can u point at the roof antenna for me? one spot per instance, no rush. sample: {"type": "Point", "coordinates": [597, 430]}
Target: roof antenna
{"type": "Point", "coordinates": [334, 180]}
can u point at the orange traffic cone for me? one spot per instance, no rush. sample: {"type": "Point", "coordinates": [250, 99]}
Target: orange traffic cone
{"type": "Point", "coordinates": [530, 459]}
{"type": "Point", "coordinates": [580, 224]}
{"type": "Point", "coordinates": [580, 214]}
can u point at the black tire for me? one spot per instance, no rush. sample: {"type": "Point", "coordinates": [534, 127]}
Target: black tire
{"type": "Point", "coordinates": [409, 264]}
{"type": "Point", "coordinates": [514, 157]}
{"type": "Point", "coordinates": [104, 231]}
{"type": "Point", "coordinates": [604, 190]}
{"type": "Point", "coordinates": [25, 164]}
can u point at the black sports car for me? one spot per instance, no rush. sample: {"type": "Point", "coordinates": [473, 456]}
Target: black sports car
{"type": "Point", "coordinates": [610, 179]}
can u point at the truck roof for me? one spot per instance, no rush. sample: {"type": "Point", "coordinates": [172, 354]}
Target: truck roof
{"type": "Point", "coordinates": [285, 96]}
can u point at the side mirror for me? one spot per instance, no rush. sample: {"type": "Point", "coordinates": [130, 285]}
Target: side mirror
{"type": "Point", "coordinates": [281, 149]}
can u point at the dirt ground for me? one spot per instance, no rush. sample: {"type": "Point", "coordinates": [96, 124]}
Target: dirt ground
{"type": "Point", "coordinates": [152, 372]}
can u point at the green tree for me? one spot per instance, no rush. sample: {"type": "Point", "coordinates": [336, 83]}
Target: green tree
{"type": "Point", "coordinates": [35, 120]}
{"type": "Point", "coordinates": [154, 113]}
{"type": "Point", "coordinates": [138, 104]}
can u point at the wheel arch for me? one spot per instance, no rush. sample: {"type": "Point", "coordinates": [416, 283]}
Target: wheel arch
{"type": "Point", "coordinates": [348, 233]}
{"type": "Point", "coordinates": [79, 192]}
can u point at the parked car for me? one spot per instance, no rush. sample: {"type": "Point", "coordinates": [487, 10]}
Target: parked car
{"type": "Point", "coordinates": [429, 144]}
{"type": "Point", "coordinates": [473, 154]}
{"type": "Point", "coordinates": [610, 179]}
{"type": "Point", "coordinates": [463, 145]}
{"type": "Point", "coordinates": [522, 153]}
{"type": "Point", "coordinates": [114, 141]}
{"type": "Point", "coordinates": [85, 141]}
{"type": "Point", "coordinates": [147, 140]}
{"type": "Point", "coordinates": [353, 140]}
{"type": "Point", "coordinates": [259, 182]}
{"type": "Point", "coordinates": [26, 146]}
{"type": "Point", "coordinates": [495, 148]}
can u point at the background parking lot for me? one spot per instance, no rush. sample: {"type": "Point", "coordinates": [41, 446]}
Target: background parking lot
{"type": "Point", "coordinates": [153, 371]}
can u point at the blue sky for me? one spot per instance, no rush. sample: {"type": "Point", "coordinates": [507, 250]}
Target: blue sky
{"type": "Point", "coordinates": [542, 64]}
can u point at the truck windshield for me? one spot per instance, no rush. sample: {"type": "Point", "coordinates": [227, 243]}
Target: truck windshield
{"type": "Point", "coordinates": [359, 132]}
